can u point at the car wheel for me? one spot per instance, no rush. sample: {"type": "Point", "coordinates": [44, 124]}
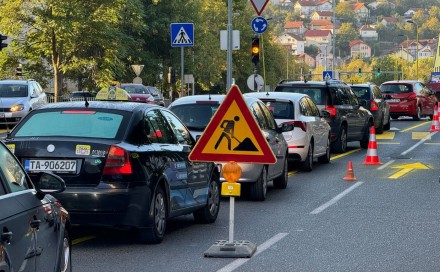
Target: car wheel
{"type": "Point", "coordinates": [258, 189]}
{"type": "Point", "coordinates": [418, 115]}
{"type": "Point", "coordinates": [307, 165]}
{"type": "Point", "coordinates": [155, 233]}
{"type": "Point", "coordinates": [340, 145]}
{"type": "Point", "coordinates": [281, 181]}
{"type": "Point", "coordinates": [366, 138]}
{"type": "Point", "coordinates": [387, 126]}
{"type": "Point", "coordinates": [209, 213]}
{"type": "Point", "coordinates": [66, 254]}
{"type": "Point", "coordinates": [326, 157]}
{"type": "Point", "coordinates": [380, 128]}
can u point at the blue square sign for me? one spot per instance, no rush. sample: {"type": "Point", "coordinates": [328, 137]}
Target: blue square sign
{"type": "Point", "coordinates": [182, 34]}
{"type": "Point", "coordinates": [327, 75]}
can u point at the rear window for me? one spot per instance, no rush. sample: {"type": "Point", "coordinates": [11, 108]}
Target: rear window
{"type": "Point", "coordinates": [396, 88]}
{"type": "Point", "coordinates": [317, 94]}
{"type": "Point", "coordinates": [72, 123]}
{"type": "Point", "coordinates": [361, 92]}
{"type": "Point", "coordinates": [135, 89]}
{"type": "Point", "coordinates": [280, 109]}
{"type": "Point", "coordinates": [13, 90]}
{"type": "Point", "coordinates": [195, 116]}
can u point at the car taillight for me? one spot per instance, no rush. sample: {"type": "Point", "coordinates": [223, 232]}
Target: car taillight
{"type": "Point", "coordinates": [117, 162]}
{"type": "Point", "coordinates": [331, 109]}
{"type": "Point", "coordinates": [412, 96]}
{"type": "Point", "coordinates": [299, 124]}
{"type": "Point", "coordinates": [373, 106]}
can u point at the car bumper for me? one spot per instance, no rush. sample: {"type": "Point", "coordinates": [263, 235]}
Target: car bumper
{"type": "Point", "coordinates": [11, 118]}
{"type": "Point", "coordinates": [403, 108]}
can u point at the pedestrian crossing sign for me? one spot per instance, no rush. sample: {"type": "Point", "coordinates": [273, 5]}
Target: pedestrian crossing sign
{"type": "Point", "coordinates": [233, 135]}
{"type": "Point", "coordinates": [182, 34]}
{"type": "Point", "coordinates": [327, 75]}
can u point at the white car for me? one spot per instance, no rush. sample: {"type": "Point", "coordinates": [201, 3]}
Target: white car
{"type": "Point", "coordinates": [196, 112]}
{"type": "Point", "coordinates": [311, 137]}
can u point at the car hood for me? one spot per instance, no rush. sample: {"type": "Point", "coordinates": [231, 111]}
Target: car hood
{"type": "Point", "coordinates": [7, 102]}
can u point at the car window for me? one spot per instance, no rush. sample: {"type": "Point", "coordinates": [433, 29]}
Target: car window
{"type": "Point", "coordinates": [13, 90]}
{"type": "Point", "coordinates": [153, 91]}
{"type": "Point", "coordinates": [182, 134]}
{"type": "Point", "coordinates": [11, 171]}
{"type": "Point", "coordinates": [304, 108]}
{"type": "Point", "coordinates": [259, 116]}
{"type": "Point", "coordinates": [280, 109]}
{"type": "Point", "coordinates": [135, 89]}
{"type": "Point", "coordinates": [74, 123]}
{"type": "Point", "coordinates": [352, 98]}
{"type": "Point", "coordinates": [158, 131]}
{"type": "Point", "coordinates": [362, 92]}
{"type": "Point", "coordinates": [317, 94]}
{"type": "Point", "coordinates": [376, 93]}
{"type": "Point", "coordinates": [313, 108]}
{"type": "Point", "coordinates": [396, 88]}
{"type": "Point", "coordinates": [271, 124]}
{"type": "Point", "coordinates": [341, 97]}
{"type": "Point", "coordinates": [195, 116]}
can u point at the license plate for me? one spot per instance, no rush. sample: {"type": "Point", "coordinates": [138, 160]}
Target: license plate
{"type": "Point", "coordinates": [58, 166]}
{"type": "Point", "coordinates": [393, 100]}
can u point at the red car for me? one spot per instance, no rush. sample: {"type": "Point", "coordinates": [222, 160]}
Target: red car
{"type": "Point", "coordinates": [138, 93]}
{"type": "Point", "coordinates": [409, 98]}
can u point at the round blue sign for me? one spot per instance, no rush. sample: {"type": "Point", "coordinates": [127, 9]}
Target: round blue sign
{"type": "Point", "coordinates": [259, 24]}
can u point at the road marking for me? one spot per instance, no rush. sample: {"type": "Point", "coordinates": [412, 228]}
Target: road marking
{"type": "Point", "coordinates": [406, 168]}
{"type": "Point", "coordinates": [239, 262]}
{"type": "Point", "coordinates": [413, 127]}
{"type": "Point", "coordinates": [291, 173]}
{"type": "Point", "coordinates": [385, 165]}
{"type": "Point", "coordinates": [336, 198]}
{"type": "Point", "coordinates": [418, 143]}
{"type": "Point", "coordinates": [387, 135]}
{"type": "Point", "coordinates": [344, 154]}
{"type": "Point", "coordinates": [432, 143]}
{"type": "Point", "coordinates": [420, 135]}
{"type": "Point", "coordinates": [82, 239]}
{"type": "Point", "coordinates": [387, 143]}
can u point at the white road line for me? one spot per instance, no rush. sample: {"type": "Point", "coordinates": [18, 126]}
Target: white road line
{"type": "Point", "coordinates": [419, 143]}
{"type": "Point", "coordinates": [336, 198]}
{"type": "Point", "coordinates": [239, 262]}
{"type": "Point", "coordinates": [385, 165]}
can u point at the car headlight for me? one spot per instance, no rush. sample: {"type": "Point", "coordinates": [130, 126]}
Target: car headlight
{"type": "Point", "coordinates": [18, 107]}
{"type": "Point", "coordinates": [151, 98]}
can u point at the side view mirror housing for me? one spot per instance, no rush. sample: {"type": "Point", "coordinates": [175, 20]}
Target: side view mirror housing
{"type": "Point", "coordinates": [48, 183]}
{"type": "Point", "coordinates": [285, 127]}
{"type": "Point", "coordinates": [325, 114]}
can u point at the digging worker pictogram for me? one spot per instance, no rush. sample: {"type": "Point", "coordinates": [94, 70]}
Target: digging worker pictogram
{"type": "Point", "coordinates": [228, 131]}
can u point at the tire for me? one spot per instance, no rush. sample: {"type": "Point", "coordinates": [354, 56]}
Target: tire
{"type": "Point", "coordinates": [380, 128]}
{"type": "Point", "coordinates": [66, 254]}
{"type": "Point", "coordinates": [326, 158]}
{"type": "Point", "coordinates": [366, 138]}
{"type": "Point", "coordinates": [388, 125]}
{"type": "Point", "coordinates": [340, 145]}
{"type": "Point", "coordinates": [209, 213]}
{"type": "Point", "coordinates": [418, 115]}
{"type": "Point", "coordinates": [155, 233]}
{"type": "Point", "coordinates": [307, 165]}
{"type": "Point", "coordinates": [281, 181]}
{"type": "Point", "coordinates": [258, 189]}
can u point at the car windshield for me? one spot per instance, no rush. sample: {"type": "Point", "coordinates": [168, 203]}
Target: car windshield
{"type": "Point", "coordinates": [135, 89]}
{"type": "Point", "coordinates": [195, 116]}
{"type": "Point", "coordinates": [13, 90]}
{"type": "Point", "coordinates": [396, 88]}
{"type": "Point", "coordinates": [70, 123]}
{"type": "Point", "coordinates": [153, 91]}
{"type": "Point", "coordinates": [361, 92]}
{"type": "Point", "coordinates": [316, 93]}
{"type": "Point", "coordinates": [280, 109]}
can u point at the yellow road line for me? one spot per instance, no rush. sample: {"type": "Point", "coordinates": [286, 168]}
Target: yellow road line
{"type": "Point", "coordinates": [416, 126]}
{"type": "Point", "coordinates": [432, 143]}
{"type": "Point", "coordinates": [82, 239]}
{"type": "Point", "coordinates": [344, 154]}
{"type": "Point", "coordinates": [421, 135]}
{"type": "Point", "coordinates": [387, 135]}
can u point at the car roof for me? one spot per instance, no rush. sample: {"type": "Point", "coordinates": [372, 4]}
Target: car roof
{"type": "Point", "coordinates": [401, 81]}
{"type": "Point", "coordinates": [311, 82]}
{"type": "Point", "coordinates": [16, 81]}
{"type": "Point", "coordinates": [362, 84]}
{"type": "Point", "coordinates": [277, 95]}
{"type": "Point", "coordinates": [191, 99]}
{"type": "Point", "coordinates": [118, 105]}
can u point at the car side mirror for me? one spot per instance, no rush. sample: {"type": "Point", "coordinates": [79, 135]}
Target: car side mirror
{"type": "Point", "coordinates": [48, 183]}
{"type": "Point", "coordinates": [325, 114]}
{"type": "Point", "coordinates": [34, 95]}
{"type": "Point", "coordinates": [285, 127]}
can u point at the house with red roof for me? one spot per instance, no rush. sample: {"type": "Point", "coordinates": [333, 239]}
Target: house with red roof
{"type": "Point", "coordinates": [318, 37]}
{"type": "Point", "coordinates": [294, 27]}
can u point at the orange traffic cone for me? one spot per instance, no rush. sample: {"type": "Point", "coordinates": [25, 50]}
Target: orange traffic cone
{"type": "Point", "coordinates": [435, 125]}
{"type": "Point", "coordinates": [350, 173]}
{"type": "Point", "coordinates": [372, 157]}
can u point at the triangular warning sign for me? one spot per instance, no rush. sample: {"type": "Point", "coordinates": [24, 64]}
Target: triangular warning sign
{"type": "Point", "coordinates": [182, 37]}
{"type": "Point", "coordinates": [233, 135]}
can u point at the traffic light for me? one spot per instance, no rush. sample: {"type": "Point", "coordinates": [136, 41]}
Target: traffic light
{"type": "Point", "coordinates": [255, 50]}
{"type": "Point", "coordinates": [19, 70]}
{"type": "Point", "coordinates": [378, 72]}
{"type": "Point", "coordinates": [3, 44]}
{"type": "Point", "coordinates": [359, 72]}
{"type": "Point", "coordinates": [171, 75]}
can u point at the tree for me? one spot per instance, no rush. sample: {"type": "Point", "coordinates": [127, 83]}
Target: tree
{"type": "Point", "coordinates": [345, 34]}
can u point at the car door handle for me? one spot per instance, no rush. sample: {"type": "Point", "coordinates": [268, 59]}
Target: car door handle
{"type": "Point", "coordinates": [6, 237]}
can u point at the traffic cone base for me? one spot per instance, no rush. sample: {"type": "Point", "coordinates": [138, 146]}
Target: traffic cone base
{"type": "Point", "coordinates": [435, 126]}
{"type": "Point", "coordinates": [372, 157]}
{"type": "Point", "coordinates": [350, 173]}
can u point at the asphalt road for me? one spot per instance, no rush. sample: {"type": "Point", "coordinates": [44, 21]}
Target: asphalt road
{"type": "Point", "coordinates": [386, 220]}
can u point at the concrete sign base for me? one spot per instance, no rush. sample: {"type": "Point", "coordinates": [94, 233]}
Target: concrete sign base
{"type": "Point", "coordinates": [236, 249]}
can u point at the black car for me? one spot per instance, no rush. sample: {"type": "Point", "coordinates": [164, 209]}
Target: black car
{"type": "Point", "coordinates": [34, 226]}
{"type": "Point", "coordinates": [372, 99]}
{"type": "Point", "coordinates": [125, 163]}
{"type": "Point", "coordinates": [349, 120]}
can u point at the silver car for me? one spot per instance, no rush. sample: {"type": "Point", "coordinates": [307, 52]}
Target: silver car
{"type": "Point", "coordinates": [311, 137]}
{"type": "Point", "coordinates": [17, 98]}
{"type": "Point", "coordinates": [196, 112]}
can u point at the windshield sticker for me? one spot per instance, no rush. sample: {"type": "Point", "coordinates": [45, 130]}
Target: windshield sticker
{"type": "Point", "coordinates": [82, 150]}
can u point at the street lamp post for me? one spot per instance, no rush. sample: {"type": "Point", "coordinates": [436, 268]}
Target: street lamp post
{"type": "Point", "coordinates": [417, 46]}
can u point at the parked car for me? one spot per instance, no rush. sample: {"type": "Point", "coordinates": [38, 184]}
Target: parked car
{"type": "Point", "coordinates": [349, 120]}
{"type": "Point", "coordinates": [81, 96]}
{"type": "Point", "coordinates": [311, 137]}
{"type": "Point", "coordinates": [409, 98]}
{"type": "Point", "coordinates": [373, 100]}
{"type": "Point", "coordinates": [18, 98]}
{"type": "Point", "coordinates": [34, 226]}
{"type": "Point", "coordinates": [125, 164]}
{"type": "Point", "coordinates": [196, 111]}
{"type": "Point", "coordinates": [158, 97]}
{"type": "Point", "coordinates": [138, 93]}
